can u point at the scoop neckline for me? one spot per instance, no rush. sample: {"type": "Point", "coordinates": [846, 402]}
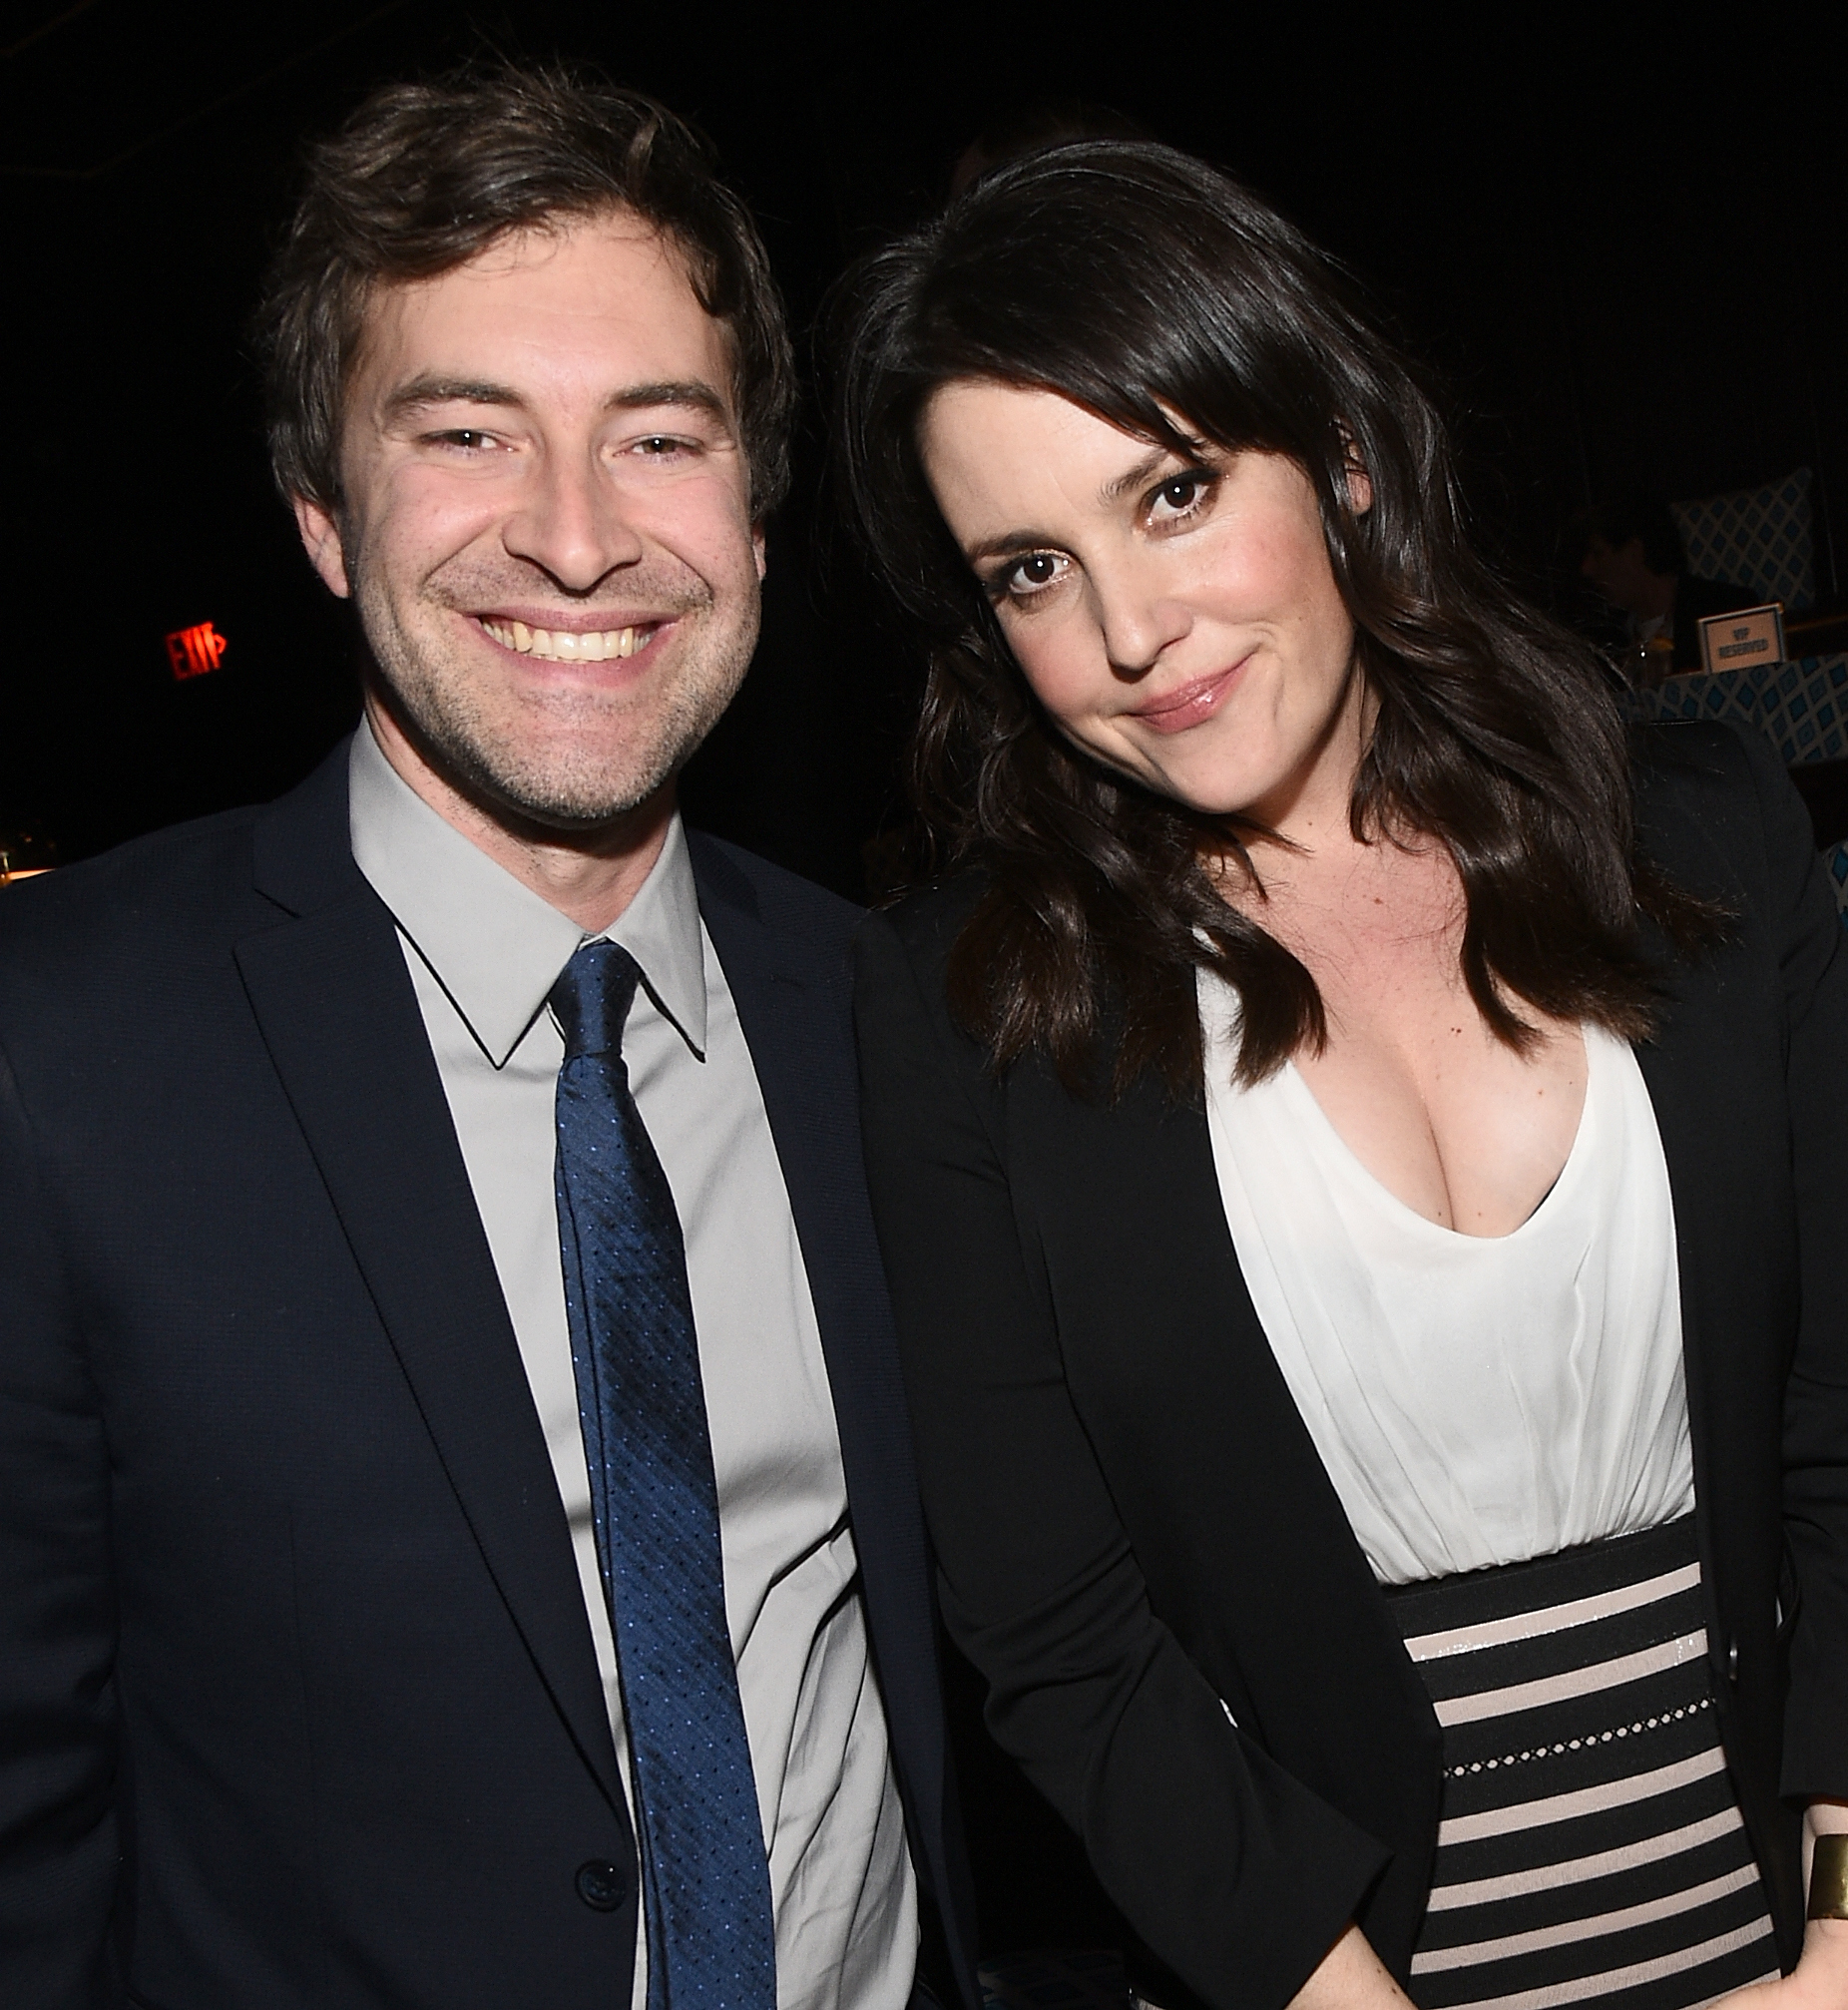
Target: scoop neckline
{"type": "Point", "coordinates": [1371, 1181]}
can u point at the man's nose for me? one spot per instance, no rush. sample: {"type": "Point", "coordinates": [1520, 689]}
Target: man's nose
{"type": "Point", "coordinates": [572, 524]}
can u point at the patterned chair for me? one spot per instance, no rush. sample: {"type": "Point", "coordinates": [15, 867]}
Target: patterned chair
{"type": "Point", "coordinates": [1801, 708]}
{"type": "Point", "coordinates": [1761, 538]}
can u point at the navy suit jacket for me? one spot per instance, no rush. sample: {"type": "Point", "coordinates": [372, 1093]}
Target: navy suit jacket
{"type": "Point", "coordinates": [297, 1698]}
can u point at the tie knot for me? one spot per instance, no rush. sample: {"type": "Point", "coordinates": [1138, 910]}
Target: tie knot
{"type": "Point", "coordinates": [592, 998]}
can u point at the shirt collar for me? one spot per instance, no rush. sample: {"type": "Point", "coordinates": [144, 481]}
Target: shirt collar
{"type": "Point", "coordinates": [493, 944]}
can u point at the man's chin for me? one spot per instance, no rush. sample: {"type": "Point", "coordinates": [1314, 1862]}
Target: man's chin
{"type": "Point", "coordinates": [571, 804]}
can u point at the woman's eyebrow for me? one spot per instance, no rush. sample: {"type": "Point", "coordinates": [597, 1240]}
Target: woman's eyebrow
{"type": "Point", "coordinates": [1115, 490]}
{"type": "Point", "coordinates": [1009, 545]}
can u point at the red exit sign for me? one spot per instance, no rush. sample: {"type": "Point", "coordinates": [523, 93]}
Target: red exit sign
{"type": "Point", "coordinates": [194, 651]}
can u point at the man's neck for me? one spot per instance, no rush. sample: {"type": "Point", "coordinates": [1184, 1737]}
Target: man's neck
{"type": "Point", "coordinates": [1656, 603]}
{"type": "Point", "coordinates": [592, 880]}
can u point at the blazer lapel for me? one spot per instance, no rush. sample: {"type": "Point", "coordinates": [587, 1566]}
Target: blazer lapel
{"type": "Point", "coordinates": [335, 1002]}
{"type": "Point", "coordinates": [1732, 1235]}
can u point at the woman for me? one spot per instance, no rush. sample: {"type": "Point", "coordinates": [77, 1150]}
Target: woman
{"type": "Point", "coordinates": [1359, 1152]}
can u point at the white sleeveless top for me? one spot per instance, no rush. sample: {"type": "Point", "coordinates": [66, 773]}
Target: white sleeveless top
{"type": "Point", "coordinates": [1476, 1399]}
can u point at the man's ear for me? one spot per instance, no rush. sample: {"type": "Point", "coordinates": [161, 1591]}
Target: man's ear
{"type": "Point", "coordinates": [757, 549]}
{"type": "Point", "coordinates": [320, 538]}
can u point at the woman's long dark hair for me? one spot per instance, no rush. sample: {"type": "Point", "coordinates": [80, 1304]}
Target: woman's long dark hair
{"type": "Point", "coordinates": [1139, 283]}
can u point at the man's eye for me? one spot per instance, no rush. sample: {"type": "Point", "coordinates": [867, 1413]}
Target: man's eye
{"type": "Point", "coordinates": [468, 438]}
{"type": "Point", "coordinates": [657, 446]}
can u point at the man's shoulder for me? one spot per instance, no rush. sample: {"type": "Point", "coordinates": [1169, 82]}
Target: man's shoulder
{"type": "Point", "coordinates": [168, 884]}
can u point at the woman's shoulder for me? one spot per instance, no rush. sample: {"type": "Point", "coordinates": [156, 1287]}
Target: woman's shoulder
{"type": "Point", "coordinates": [923, 924]}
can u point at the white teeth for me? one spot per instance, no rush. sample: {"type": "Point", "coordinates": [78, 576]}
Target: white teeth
{"type": "Point", "coordinates": [565, 645]}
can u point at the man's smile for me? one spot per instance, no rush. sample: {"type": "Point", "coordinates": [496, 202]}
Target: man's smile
{"type": "Point", "coordinates": [564, 644]}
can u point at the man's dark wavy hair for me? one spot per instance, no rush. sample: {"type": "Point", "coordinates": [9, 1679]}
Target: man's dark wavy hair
{"type": "Point", "coordinates": [423, 177]}
{"type": "Point", "coordinates": [1139, 283]}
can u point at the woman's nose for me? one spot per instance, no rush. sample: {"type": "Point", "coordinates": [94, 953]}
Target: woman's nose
{"type": "Point", "coordinates": [1138, 619]}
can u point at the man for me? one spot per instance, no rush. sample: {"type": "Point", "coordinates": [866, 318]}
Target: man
{"type": "Point", "coordinates": [1630, 551]}
{"type": "Point", "coordinates": [457, 1537]}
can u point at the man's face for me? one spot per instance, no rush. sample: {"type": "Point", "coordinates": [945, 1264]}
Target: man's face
{"type": "Point", "coordinates": [1621, 574]}
{"type": "Point", "coordinates": [546, 522]}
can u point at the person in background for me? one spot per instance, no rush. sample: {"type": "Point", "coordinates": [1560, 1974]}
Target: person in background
{"type": "Point", "coordinates": [1630, 551]}
{"type": "Point", "coordinates": [1359, 1144]}
{"type": "Point", "coordinates": [458, 1541]}
{"type": "Point", "coordinates": [1031, 127]}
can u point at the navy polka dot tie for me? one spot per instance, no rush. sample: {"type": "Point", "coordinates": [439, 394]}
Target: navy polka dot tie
{"type": "Point", "coordinates": [705, 1883]}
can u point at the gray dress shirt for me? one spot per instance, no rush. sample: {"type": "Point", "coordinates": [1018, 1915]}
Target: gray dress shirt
{"type": "Point", "coordinates": [483, 952]}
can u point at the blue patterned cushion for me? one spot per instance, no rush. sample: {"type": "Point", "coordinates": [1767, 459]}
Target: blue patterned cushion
{"type": "Point", "coordinates": [1835, 862]}
{"type": "Point", "coordinates": [1801, 708]}
{"type": "Point", "coordinates": [1760, 538]}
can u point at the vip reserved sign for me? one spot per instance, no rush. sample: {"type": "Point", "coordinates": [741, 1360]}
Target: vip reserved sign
{"type": "Point", "coordinates": [1747, 636]}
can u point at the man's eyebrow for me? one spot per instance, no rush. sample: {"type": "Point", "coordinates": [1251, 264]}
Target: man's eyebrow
{"type": "Point", "coordinates": [699, 396]}
{"type": "Point", "coordinates": [418, 392]}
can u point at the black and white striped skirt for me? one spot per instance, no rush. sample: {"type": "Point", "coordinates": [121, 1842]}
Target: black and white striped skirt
{"type": "Point", "coordinates": [1590, 1848]}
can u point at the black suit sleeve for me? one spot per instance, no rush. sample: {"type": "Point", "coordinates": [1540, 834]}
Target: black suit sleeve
{"type": "Point", "coordinates": [58, 1832]}
{"type": "Point", "coordinates": [1237, 1874]}
{"type": "Point", "coordinates": [1813, 969]}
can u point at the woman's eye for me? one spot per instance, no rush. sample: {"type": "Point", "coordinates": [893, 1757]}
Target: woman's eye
{"type": "Point", "coordinates": [1033, 574]}
{"type": "Point", "coordinates": [1179, 496]}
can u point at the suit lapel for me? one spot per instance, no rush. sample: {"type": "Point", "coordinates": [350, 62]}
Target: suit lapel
{"type": "Point", "coordinates": [793, 1004]}
{"type": "Point", "coordinates": [797, 1024]}
{"type": "Point", "coordinates": [334, 1003]}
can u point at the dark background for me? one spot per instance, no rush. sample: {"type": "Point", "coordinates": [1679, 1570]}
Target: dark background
{"type": "Point", "coordinates": [1620, 246]}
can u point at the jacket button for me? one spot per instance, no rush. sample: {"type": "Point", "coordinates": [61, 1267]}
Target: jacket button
{"type": "Point", "coordinates": [1732, 1663]}
{"type": "Point", "coordinates": [602, 1887]}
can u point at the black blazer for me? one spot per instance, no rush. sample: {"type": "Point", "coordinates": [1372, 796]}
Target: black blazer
{"type": "Point", "coordinates": [298, 1697]}
{"type": "Point", "coordinates": [1133, 1522]}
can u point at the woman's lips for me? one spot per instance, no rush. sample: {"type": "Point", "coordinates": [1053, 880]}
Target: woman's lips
{"type": "Point", "coordinates": [1177, 711]}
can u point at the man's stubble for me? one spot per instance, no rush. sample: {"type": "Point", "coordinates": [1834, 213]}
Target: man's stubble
{"type": "Point", "coordinates": [571, 761]}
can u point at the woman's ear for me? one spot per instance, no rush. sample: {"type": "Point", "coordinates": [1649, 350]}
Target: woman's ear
{"type": "Point", "coordinates": [1354, 472]}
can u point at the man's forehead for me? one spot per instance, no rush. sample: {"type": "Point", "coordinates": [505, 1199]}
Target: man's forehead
{"type": "Point", "coordinates": [521, 245]}
{"type": "Point", "coordinates": [532, 281]}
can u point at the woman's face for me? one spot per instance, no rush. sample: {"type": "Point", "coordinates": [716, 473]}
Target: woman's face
{"type": "Point", "coordinates": [1178, 619]}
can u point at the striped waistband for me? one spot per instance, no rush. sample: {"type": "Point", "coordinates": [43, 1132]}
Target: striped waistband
{"type": "Point", "coordinates": [1590, 1847]}
{"type": "Point", "coordinates": [1499, 1642]}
